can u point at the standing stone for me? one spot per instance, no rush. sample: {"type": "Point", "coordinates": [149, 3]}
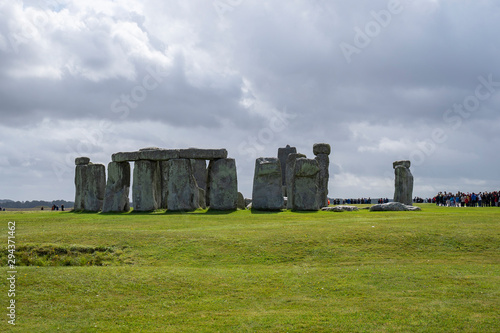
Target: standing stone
{"type": "Point", "coordinates": [202, 198]}
{"type": "Point", "coordinates": [241, 201]}
{"type": "Point", "coordinates": [96, 186]}
{"type": "Point", "coordinates": [282, 156]}
{"type": "Point", "coordinates": [290, 168]}
{"type": "Point", "coordinates": [305, 186]}
{"type": "Point", "coordinates": [222, 184]}
{"type": "Point", "coordinates": [90, 183]}
{"type": "Point", "coordinates": [146, 190]}
{"type": "Point", "coordinates": [117, 188]}
{"type": "Point", "coordinates": [182, 190]}
{"type": "Point", "coordinates": [199, 168]}
{"type": "Point", "coordinates": [267, 186]}
{"type": "Point", "coordinates": [403, 183]}
{"type": "Point", "coordinates": [322, 150]}
{"type": "Point", "coordinates": [164, 165]}
{"type": "Point", "coordinates": [80, 186]}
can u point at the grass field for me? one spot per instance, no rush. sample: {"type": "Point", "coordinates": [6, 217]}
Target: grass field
{"type": "Point", "coordinates": [437, 270]}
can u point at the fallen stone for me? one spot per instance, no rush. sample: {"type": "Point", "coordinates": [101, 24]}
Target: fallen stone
{"type": "Point", "coordinates": [340, 209]}
{"type": "Point", "coordinates": [393, 206]}
{"type": "Point", "coordinates": [117, 188]}
{"type": "Point", "coordinates": [222, 184]}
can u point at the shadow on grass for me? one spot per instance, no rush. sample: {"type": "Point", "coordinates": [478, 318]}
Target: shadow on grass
{"type": "Point", "coordinates": [257, 211]}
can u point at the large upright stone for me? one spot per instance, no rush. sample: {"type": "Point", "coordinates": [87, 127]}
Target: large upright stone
{"type": "Point", "coordinates": [90, 183]}
{"type": "Point", "coordinates": [222, 184]}
{"type": "Point", "coordinates": [282, 156]}
{"type": "Point", "coordinates": [182, 190]}
{"type": "Point", "coordinates": [146, 190]}
{"type": "Point", "coordinates": [267, 187]}
{"type": "Point", "coordinates": [199, 168]}
{"type": "Point", "coordinates": [96, 186]}
{"type": "Point", "coordinates": [403, 182]}
{"type": "Point", "coordinates": [322, 150]}
{"type": "Point", "coordinates": [306, 185]}
{"type": "Point", "coordinates": [80, 186]}
{"type": "Point", "coordinates": [290, 169]}
{"type": "Point", "coordinates": [117, 188]}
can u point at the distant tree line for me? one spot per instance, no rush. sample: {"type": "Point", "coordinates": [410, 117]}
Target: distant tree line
{"type": "Point", "coordinates": [35, 203]}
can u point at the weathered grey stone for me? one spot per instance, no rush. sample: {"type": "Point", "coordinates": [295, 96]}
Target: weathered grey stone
{"type": "Point", "coordinates": [199, 168]}
{"type": "Point", "coordinates": [248, 201]}
{"type": "Point", "coordinates": [249, 206]}
{"type": "Point", "coordinates": [305, 185]}
{"type": "Point", "coordinates": [290, 169]}
{"type": "Point", "coordinates": [182, 190]}
{"type": "Point", "coordinates": [241, 201]}
{"type": "Point", "coordinates": [96, 186]}
{"type": "Point", "coordinates": [203, 154]}
{"type": "Point", "coordinates": [146, 189]}
{"type": "Point", "coordinates": [404, 163]}
{"type": "Point", "coordinates": [117, 188]}
{"type": "Point", "coordinates": [222, 184]}
{"type": "Point", "coordinates": [158, 154]}
{"type": "Point", "coordinates": [340, 209]}
{"type": "Point", "coordinates": [282, 156]}
{"type": "Point", "coordinates": [82, 160]}
{"type": "Point", "coordinates": [80, 187]}
{"type": "Point", "coordinates": [124, 157]}
{"type": "Point", "coordinates": [321, 148]}
{"type": "Point", "coordinates": [202, 201]}
{"type": "Point", "coordinates": [164, 165]}
{"type": "Point", "coordinates": [393, 206]}
{"type": "Point", "coordinates": [403, 183]}
{"type": "Point", "coordinates": [324, 163]}
{"type": "Point", "coordinates": [267, 189]}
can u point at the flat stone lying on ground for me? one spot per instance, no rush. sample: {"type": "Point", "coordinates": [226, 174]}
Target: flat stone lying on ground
{"type": "Point", "coordinates": [393, 206]}
{"type": "Point", "coordinates": [340, 209]}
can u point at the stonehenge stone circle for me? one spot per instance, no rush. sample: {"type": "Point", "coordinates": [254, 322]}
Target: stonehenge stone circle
{"type": "Point", "coordinates": [306, 185]}
{"type": "Point", "coordinates": [222, 184]}
{"type": "Point", "coordinates": [90, 184]}
{"type": "Point", "coordinates": [267, 191]}
{"type": "Point", "coordinates": [117, 188]}
{"type": "Point", "coordinates": [182, 190]}
{"type": "Point", "coordinates": [322, 150]}
{"type": "Point", "coordinates": [289, 174]}
{"type": "Point", "coordinates": [403, 183]}
{"type": "Point", "coordinates": [146, 190]}
{"type": "Point", "coordinates": [282, 156]}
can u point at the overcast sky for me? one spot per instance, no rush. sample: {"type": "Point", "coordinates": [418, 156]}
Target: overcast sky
{"type": "Point", "coordinates": [378, 80]}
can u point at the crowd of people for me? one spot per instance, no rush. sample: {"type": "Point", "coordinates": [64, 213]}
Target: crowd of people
{"type": "Point", "coordinates": [462, 199]}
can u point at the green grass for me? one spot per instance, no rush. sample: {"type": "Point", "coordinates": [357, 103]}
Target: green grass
{"type": "Point", "coordinates": [430, 271]}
